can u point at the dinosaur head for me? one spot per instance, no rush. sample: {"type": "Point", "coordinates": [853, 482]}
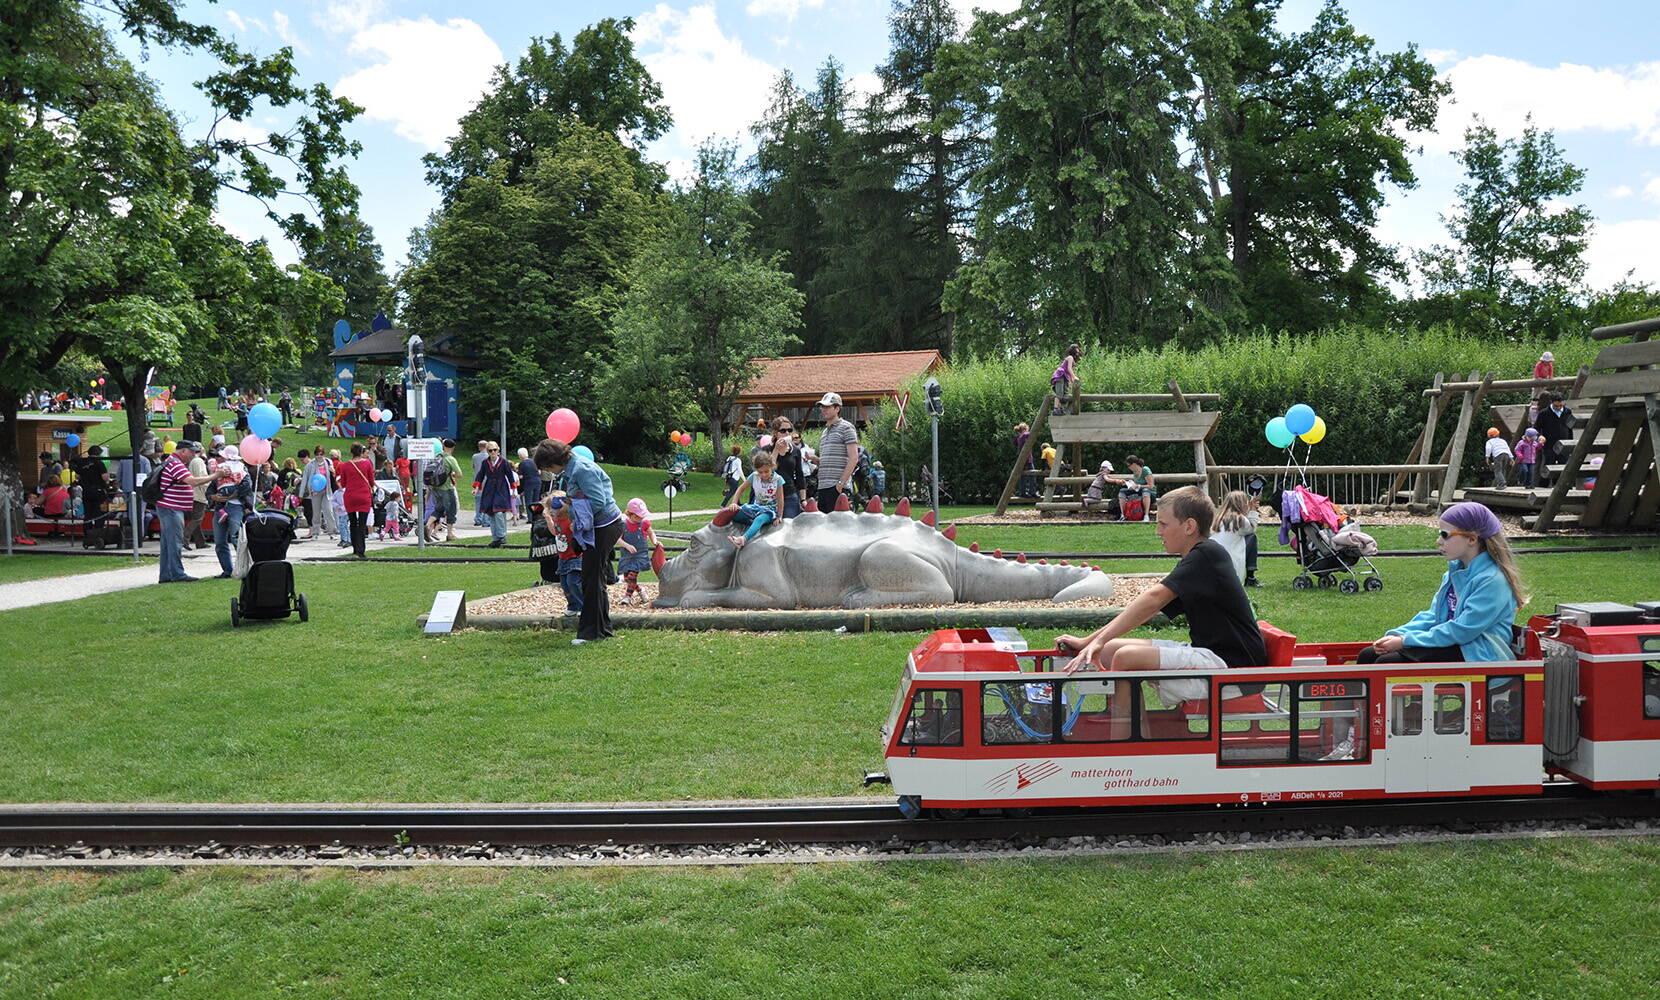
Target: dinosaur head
{"type": "Point", "coordinates": [706, 564]}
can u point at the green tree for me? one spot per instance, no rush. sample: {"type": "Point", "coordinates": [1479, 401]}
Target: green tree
{"type": "Point", "coordinates": [703, 303]}
{"type": "Point", "coordinates": [107, 246]}
{"type": "Point", "coordinates": [1297, 134]}
{"type": "Point", "coordinates": [529, 274]}
{"type": "Point", "coordinates": [1090, 226]}
{"type": "Point", "coordinates": [1516, 263]}
{"type": "Point", "coordinates": [351, 259]}
{"type": "Point", "coordinates": [793, 176]}
{"type": "Point", "coordinates": [598, 82]}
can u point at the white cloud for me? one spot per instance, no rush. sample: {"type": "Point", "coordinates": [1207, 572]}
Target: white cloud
{"type": "Point", "coordinates": [426, 75]}
{"type": "Point", "coordinates": [1618, 247]}
{"type": "Point", "coordinates": [681, 171]}
{"type": "Point", "coordinates": [1566, 98]}
{"type": "Point", "coordinates": [1651, 190]}
{"type": "Point", "coordinates": [242, 24]}
{"type": "Point", "coordinates": [346, 17]}
{"type": "Point", "coordinates": [965, 8]}
{"type": "Point", "coordinates": [1620, 191]}
{"type": "Point", "coordinates": [1440, 57]}
{"type": "Point", "coordinates": [713, 87]}
{"type": "Point", "coordinates": [786, 9]}
{"type": "Point", "coordinates": [279, 23]}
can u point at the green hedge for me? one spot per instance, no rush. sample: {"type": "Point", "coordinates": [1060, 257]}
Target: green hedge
{"type": "Point", "coordinates": [1367, 384]}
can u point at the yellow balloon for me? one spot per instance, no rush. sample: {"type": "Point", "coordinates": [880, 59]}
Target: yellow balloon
{"type": "Point", "coordinates": [168, 446]}
{"type": "Point", "coordinates": [93, 383]}
{"type": "Point", "coordinates": [1316, 433]}
{"type": "Point", "coordinates": [67, 477]}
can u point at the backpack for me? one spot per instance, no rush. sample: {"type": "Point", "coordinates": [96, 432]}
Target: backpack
{"type": "Point", "coordinates": [1133, 508]}
{"type": "Point", "coordinates": [151, 491]}
{"type": "Point", "coordinates": [436, 476]}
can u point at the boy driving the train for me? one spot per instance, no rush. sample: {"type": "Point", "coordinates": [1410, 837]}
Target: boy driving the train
{"type": "Point", "coordinates": [1203, 586]}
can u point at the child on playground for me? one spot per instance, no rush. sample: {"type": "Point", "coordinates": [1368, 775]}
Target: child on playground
{"type": "Point", "coordinates": [1066, 373]}
{"type": "Point", "coordinates": [1499, 458]}
{"type": "Point", "coordinates": [1527, 455]}
{"type": "Point", "coordinates": [553, 542]}
{"type": "Point", "coordinates": [391, 507]}
{"type": "Point", "coordinates": [1236, 531]}
{"type": "Point", "coordinates": [637, 543]}
{"type": "Point", "coordinates": [766, 499]}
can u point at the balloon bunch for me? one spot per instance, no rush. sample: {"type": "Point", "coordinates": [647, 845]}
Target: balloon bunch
{"type": "Point", "coordinates": [682, 439]}
{"type": "Point", "coordinates": [1299, 422]}
{"type": "Point", "coordinates": [264, 421]}
{"type": "Point", "coordinates": [380, 416]}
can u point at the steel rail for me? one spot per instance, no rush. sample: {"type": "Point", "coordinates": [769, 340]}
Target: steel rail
{"type": "Point", "coordinates": [151, 826]}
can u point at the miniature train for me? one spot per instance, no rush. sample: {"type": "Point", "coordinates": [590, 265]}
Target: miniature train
{"type": "Point", "coordinates": [982, 723]}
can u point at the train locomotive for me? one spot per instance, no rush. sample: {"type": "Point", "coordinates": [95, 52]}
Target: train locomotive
{"type": "Point", "coordinates": [980, 722]}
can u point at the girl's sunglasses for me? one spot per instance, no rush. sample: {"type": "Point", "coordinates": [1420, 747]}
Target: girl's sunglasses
{"type": "Point", "coordinates": [1445, 534]}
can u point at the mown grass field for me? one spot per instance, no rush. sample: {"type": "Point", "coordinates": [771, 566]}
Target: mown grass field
{"type": "Point", "coordinates": [162, 701]}
{"type": "Point", "coordinates": [1541, 919]}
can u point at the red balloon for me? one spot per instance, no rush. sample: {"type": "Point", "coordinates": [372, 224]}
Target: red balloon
{"type": "Point", "coordinates": [563, 425]}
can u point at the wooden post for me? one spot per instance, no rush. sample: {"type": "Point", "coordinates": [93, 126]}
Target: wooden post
{"type": "Point", "coordinates": [1420, 450]}
{"type": "Point", "coordinates": [1455, 456]}
{"type": "Point", "coordinates": [1579, 382]}
{"type": "Point", "coordinates": [1025, 453]}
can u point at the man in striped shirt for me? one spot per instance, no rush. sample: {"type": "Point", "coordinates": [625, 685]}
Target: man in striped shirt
{"type": "Point", "coordinates": [178, 493]}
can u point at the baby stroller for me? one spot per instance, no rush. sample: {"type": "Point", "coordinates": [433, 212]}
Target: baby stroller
{"type": "Point", "coordinates": [926, 481]}
{"type": "Point", "coordinates": [1307, 519]}
{"type": "Point", "coordinates": [268, 586]}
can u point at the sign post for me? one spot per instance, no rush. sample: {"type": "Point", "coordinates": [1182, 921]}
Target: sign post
{"type": "Point", "coordinates": [936, 409]}
{"type": "Point", "coordinates": [900, 425]}
{"type": "Point", "coordinates": [417, 397]}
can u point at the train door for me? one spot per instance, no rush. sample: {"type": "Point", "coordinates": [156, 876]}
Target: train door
{"type": "Point", "coordinates": [1429, 737]}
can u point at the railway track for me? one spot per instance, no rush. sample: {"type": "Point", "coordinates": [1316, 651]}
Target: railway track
{"type": "Point", "coordinates": [275, 827]}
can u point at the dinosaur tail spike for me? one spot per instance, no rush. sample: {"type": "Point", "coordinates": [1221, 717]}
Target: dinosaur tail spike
{"type": "Point", "coordinates": [842, 504]}
{"type": "Point", "coordinates": [998, 553]}
{"type": "Point", "coordinates": [724, 516]}
{"type": "Point", "coordinates": [810, 507]}
{"type": "Point", "coordinates": [875, 506]}
{"type": "Point", "coordinates": [1020, 557]}
{"type": "Point", "coordinates": [973, 546]}
{"type": "Point", "coordinates": [658, 558]}
{"type": "Point", "coordinates": [928, 519]}
{"type": "Point", "coordinates": [950, 531]}
{"type": "Point", "coordinates": [903, 508]}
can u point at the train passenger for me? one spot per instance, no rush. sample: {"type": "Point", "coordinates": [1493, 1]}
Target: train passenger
{"type": "Point", "coordinates": [1204, 586]}
{"type": "Point", "coordinates": [1473, 611]}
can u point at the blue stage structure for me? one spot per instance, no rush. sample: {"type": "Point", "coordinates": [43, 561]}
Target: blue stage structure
{"type": "Point", "coordinates": [384, 344]}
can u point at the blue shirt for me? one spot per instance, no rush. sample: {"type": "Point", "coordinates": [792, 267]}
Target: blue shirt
{"type": "Point", "coordinates": [1477, 620]}
{"type": "Point", "coordinates": [583, 476]}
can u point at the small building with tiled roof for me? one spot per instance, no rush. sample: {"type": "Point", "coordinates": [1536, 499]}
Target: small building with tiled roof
{"type": "Point", "coordinates": [793, 386]}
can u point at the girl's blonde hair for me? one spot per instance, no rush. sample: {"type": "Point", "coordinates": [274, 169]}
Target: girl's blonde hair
{"type": "Point", "coordinates": [1498, 547]}
{"type": "Point", "coordinates": [1235, 512]}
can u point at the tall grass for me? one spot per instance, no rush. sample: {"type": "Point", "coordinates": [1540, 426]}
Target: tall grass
{"type": "Point", "coordinates": [1366, 383]}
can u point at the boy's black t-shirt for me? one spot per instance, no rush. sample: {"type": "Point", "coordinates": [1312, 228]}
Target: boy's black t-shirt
{"type": "Point", "coordinates": [1219, 616]}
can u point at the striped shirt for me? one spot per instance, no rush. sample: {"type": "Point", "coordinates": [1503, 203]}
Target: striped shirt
{"type": "Point", "coordinates": [176, 492]}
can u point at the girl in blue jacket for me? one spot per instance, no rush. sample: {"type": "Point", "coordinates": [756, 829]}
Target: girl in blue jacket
{"type": "Point", "coordinates": [1472, 614]}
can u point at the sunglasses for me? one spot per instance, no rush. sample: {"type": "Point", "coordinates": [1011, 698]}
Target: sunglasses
{"type": "Point", "coordinates": [1445, 534]}
{"type": "Point", "coordinates": [785, 430]}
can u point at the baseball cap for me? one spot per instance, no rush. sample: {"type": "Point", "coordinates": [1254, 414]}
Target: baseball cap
{"type": "Point", "coordinates": [830, 399]}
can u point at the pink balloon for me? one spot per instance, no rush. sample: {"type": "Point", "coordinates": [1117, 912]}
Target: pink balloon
{"type": "Point", "coordinates": [254, 449]}
{"type": "Point", "coordinates": [374, 414]}
{"type": "Point", "coordinates": [766, 441]}
{"type": "Point", "coordinates": [563, 425]}
{"type": "Point", "coordinates": [686, 439]}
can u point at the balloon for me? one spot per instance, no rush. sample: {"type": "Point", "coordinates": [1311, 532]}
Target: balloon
{"type": "Point", "coordinates": [168, 447]}
{"type": "Point", "coordinates": [674, 437]}
{"type": "Point", "coordinates": [73, 440]}
{"type": "Point", "coordinates": [264, 420]}
{"type": "Point", "coordinates": [1279, 435]}
{"type": "Point", "coordinates": [563, 425]}
{"type": "Point", "coordinates": [1299, 418]}
{"type": "Point", "coordinates": [766, 441]}
{"type": "Point", "coordinates": [1316, 433]}
{"type": "Point", "coordinates": [374, 414]}
{"type": "Point", "coordinates": [100, 381]}
{"type": "Point", "coordinates": [67, 477]}
{"type": "Point", "coordinates": [584, 451]}
{"type": "Point", "coordinates": [319, 482]}
{"type": "Point", "coordinates": [686, 438]}
{"type": "Point", "coordinates": [93, 383]}
{"type": "Point", "coordinates": [254, 449]}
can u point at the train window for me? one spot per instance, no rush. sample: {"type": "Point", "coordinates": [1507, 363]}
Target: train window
{"type": "Point", "coordinates": [1406, 711]}
{"type": "Point", "coordinates": [1651, 679]}
{"type": "Point", "coordinates": [1175, 709]}
{"type": "Point", "coordinates": [1256, 729]}
{"type": "Point", "coordinates": [1331, 721]}
{"type": "Point", "coordinates": [1449, 709]}
{"type": "Point", "coordinates": [1016, 712]}
{"type": "Point", "coordinates": [935, 719]}
{"type": "Point", "coordinates": [1504, 709]}
{"type": "Point", "coordinates": [1095, 711]}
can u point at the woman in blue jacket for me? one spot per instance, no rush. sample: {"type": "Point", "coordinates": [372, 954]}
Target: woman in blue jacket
{"type": "Point", "coordinates": [1472, 614]}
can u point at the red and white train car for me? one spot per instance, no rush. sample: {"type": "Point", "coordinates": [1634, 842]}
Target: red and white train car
{"type": "Point", "coordinates": [1602, 674]}
{"type": "Point", "coordinates": [979, 722]}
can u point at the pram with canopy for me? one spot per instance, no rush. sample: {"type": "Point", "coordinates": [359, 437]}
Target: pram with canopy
{"type": "Point", "coordinates": [1309, 524]}
{"type": "Point", "coordinates": [268, 583]}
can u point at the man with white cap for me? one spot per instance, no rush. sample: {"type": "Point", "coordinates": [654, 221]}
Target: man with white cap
{"type": "Point", "coordinates": [838, 453]}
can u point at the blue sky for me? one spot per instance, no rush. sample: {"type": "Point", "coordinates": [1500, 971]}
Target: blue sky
{"type": "Point", "coordinates": [1589, 70]}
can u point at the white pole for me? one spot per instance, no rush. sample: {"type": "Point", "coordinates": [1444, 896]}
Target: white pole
{"type": "Point", "coordinates": [935, 421]}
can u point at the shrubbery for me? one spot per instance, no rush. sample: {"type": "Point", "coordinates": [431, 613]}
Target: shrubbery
{"type": "Point", "coordinates": [1367, 383]}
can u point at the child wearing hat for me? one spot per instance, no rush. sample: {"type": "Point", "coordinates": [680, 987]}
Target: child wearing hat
{"type": "Point", "coordinates": [1499, 458]}
{"type": "Point", "coordinates": [1527, 456]}
{"type": "Point", "coordinates": [637, 543]}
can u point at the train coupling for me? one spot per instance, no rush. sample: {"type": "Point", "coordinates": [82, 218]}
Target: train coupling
{"type": "Point", "coordinates": [877, 778]}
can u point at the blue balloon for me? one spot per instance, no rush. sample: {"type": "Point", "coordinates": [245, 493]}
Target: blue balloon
{"type": "Point", "coordinates": [584, 451]}
{"type": "Point", "coordinates": [1279, 435]}
{"type": "Point", "coordinates": [265, 420]}
{"type": "Point", "coordinates": [73, 440]}
{"type": "Point", "coordinates": [1300, 419]}
{"type": "Point", "coordinates": [319, 482]}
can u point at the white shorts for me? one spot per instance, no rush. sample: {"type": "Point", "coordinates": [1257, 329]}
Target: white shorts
{"type": "Point", "coordinates": [1175, 655]}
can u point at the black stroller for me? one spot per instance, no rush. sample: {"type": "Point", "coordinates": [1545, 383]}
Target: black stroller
{"type": "Point", "coordinates": [268, 588]}
{"type": "Point", "coordinates": [1324, 561]}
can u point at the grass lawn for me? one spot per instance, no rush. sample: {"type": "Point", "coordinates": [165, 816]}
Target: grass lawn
{"type": "Point", "coordinates": [25, 565]}
{"type": "Point", "coordinates": [1566, 918]}
{"type": "Point", "coordinates": [357, 705]}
